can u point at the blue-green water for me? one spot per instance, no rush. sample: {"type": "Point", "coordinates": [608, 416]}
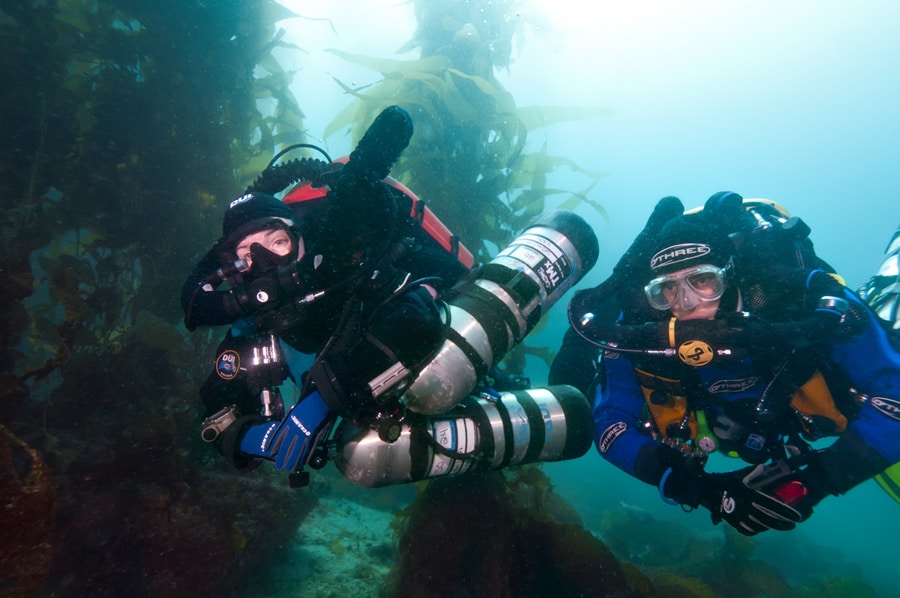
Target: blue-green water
{"type": "Point", "coordinates": [125, 123]}
{"type": "Point", "coordinates": [794, 102]}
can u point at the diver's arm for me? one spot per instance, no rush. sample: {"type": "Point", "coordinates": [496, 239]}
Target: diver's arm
{"type": "Point", "coordinates": [575, 363]}
{"type": "Point", "coordinates": [617, 419]}
{"type": "Point", "coordinates": [202, 304]}
{"type": "Point", "coordinates": [842, 466]}
{"type": "Point", "coordinates": [871, 442]}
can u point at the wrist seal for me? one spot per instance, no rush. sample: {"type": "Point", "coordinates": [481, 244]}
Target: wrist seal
{"type": "Point", "coordinates": [229, 444]}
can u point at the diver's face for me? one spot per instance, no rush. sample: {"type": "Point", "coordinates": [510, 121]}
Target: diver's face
{"type": "Point", "coordinates": [276, 240]}
{"type": "Point", "coordinates": [689, 294]}
{"type": "Point", "coordinates": [699, 311]}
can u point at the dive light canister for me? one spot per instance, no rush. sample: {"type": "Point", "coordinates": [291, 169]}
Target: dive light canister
{"type": "Point", "coordinates": [539, 424]}
{"type": "Point", "coordinates": [501, 303]}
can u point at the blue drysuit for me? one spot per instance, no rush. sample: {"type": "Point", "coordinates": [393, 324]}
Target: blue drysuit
{"type": "Point", "coordinates": [862, 369]}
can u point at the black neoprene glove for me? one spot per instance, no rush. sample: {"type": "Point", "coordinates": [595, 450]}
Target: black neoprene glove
{"type": "Point", "coordinates": [751, 500]}
{"type": "Point", "coordinates": [202, 305]}
{"type": "Point", "coordinates": [775, 495]}
{"type": "Point", "coordinates": [747, 500]}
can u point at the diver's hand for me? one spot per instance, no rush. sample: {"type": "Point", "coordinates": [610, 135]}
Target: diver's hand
{"type": "Point", "coordinates": [746, 500]}
{"type": "Point", "coordinates": [290, 441]}
{"type": "Point", "coordinates": [265, 291]}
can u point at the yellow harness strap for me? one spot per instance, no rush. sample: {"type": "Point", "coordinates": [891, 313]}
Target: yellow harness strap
{"type": "Point", "coordinates": [815, 399]}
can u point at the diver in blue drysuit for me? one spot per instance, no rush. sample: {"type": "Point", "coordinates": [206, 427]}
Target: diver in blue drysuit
{"type": "Point", "coordinates": [714, 342]}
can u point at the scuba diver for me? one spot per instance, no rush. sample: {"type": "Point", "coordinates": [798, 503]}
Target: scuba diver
{"type": "Point", "coordinates": [722, 332]}
{"type": "Point", "coordinates": [354, 290]}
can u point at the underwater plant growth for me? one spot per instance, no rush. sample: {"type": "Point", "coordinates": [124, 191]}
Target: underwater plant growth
{"type": "Point", "coordinates": [468, 157]}
{"type": "Point", "coordinates": [127, 127]}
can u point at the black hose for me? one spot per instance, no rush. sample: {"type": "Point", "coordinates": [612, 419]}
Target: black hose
{"type": "Point", "coordinates": [276, 178]}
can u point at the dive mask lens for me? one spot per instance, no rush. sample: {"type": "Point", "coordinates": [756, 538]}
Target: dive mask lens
{"type": "Point", "coordinates": [704, 283]}
{"type": "Point", "coordinates": [661, 292]}
{"type": "Point", "coordinates": [708, 282]}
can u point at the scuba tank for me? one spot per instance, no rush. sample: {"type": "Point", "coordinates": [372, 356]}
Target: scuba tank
{"type": "Point", "coordinates": [500, 303]}
{"type": "Point", "coordinates": [444, 430]}
{"type": "Point", "coordinates": [481, 432]}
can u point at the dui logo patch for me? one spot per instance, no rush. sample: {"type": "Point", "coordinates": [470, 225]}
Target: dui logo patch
{"type": "Point", "coordinates": [228, 364]}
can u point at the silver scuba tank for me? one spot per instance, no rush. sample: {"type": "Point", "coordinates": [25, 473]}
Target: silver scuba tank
{"type": "Point", "coordinates": [501, 303]}
{"type": "Point", "coordinates": [482, 432]}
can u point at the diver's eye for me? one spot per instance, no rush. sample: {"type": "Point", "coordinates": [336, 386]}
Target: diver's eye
{"type": "Point", "coordinates": [703, 280]}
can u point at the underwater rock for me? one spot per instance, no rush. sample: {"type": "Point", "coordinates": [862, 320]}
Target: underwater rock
{"type": "Point", "coordinates": [680, 562]}
{"type": "Point", "coordinates": [471, 536]}
{"type": "Point", "coordinates": [201, 537]}
{"type": "Point", "coordinates": [839, 587]}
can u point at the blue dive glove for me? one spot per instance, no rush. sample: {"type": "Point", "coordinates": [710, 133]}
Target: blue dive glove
{"type": "Point", "coordinates": [288, 442]}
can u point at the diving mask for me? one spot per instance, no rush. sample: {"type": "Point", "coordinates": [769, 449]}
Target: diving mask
{"type": "Point", "coordinates": [687, 287]}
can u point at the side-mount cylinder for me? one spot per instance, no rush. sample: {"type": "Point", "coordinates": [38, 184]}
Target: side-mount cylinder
{"type": "Point", "coordinates": [525, 426]}
{"type": "Point", "coordinates": [501, 303]}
